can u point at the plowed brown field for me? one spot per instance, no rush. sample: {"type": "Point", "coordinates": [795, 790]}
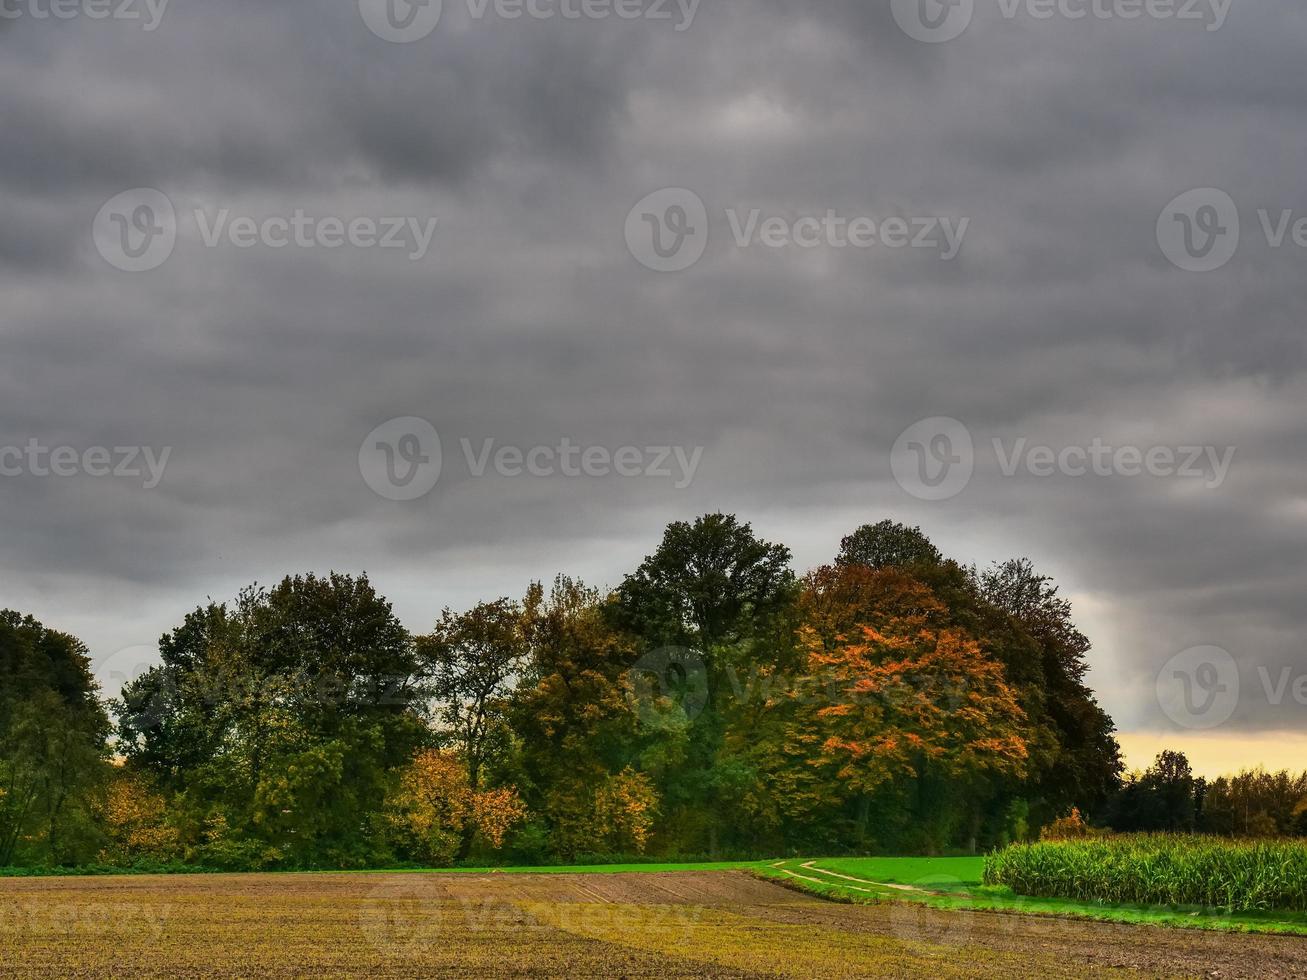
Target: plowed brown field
{"type": "Point", "coordinates": [718, 924]}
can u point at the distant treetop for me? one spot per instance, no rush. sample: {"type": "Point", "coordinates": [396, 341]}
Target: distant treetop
{"type": "Point", "coordinates": [888, 544]}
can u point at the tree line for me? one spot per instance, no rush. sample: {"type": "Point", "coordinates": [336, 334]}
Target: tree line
{"type": "Point", "coordinates": [1168, 797]}
{"type": "Point", "coordinates": [714, 703]}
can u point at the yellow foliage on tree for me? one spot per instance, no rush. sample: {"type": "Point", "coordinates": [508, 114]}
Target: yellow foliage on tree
{"type": "Point", "coordinates": [625, 808]}
{"type": "Point", "coordinates": [135, 820]}
{"type": "Point", "coordinates": [496, 812]}
{"type": "Point", "coordinates": [434, 806]}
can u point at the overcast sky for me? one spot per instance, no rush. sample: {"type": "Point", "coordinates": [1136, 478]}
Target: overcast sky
{"type": "Point", "coordinates": [897, 226]}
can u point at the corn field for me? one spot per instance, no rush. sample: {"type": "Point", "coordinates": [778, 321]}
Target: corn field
{"type": "Point", "coordinates": [1165, 869]}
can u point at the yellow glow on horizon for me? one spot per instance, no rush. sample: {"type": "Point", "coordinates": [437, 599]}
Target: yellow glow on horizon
{"type": "Point", "coordinates": [1219, 754]}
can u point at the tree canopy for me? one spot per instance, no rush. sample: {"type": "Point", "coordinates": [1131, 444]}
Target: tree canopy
{"type": "Point", "coordinates": [712, 703]}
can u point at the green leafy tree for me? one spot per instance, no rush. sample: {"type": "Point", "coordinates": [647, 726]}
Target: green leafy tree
{"type": "Point", "coordinates": [1165, 797]}
{"type": "Point", "coordinates": [53, 757]}
{"type": "Point", "coordinates": [281, 718]}
{"type": "Point", "coordinates": [711, 704]}
{"type": "Point", "coordinates": [1256, 800]}
{"type": "Point", "coordinates": [572, 712]}
{"type": "Point", "coordinates": [709, 583]}
{"type": "Point", "coordinates": [888, 544]}
{"type": "Point", "coordinates": [716, 588]}
{"type": "Point", "coordinates": [472, 661]}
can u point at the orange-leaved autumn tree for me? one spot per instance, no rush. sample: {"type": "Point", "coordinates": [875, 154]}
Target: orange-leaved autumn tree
{"type": "Point", "coordinates": [838, 600]}
{"type": "Point", "coordinates": [905, 701]}
{"type": "Point", "coordinates": [898, 711]}
{"type": "Point", "coordinates": [890, 694]}
{"type": "Point", "coordinates": [434, 806]}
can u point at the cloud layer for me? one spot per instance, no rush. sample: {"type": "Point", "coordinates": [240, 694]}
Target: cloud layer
{"type": "Point", "coordinates": [529, 322]}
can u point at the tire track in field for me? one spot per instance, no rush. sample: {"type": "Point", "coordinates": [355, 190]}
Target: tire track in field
{"type": "Point", "coordinates": [809, 866]}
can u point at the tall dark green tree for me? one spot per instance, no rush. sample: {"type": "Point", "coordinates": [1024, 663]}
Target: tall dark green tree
{"type": "Point", "coordinates": [1087, 767]}
{"type": "Point", "coordinates": [709, 583]}
{"type": "Point", "coordinates": [53, 756]}
{"type": "Point", "coordinates": [712, 586]}
{"type": "Point", "coordinates": [278, 720]}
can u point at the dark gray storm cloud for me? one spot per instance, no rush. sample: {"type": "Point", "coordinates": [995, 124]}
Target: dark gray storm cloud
{"type": "Point", "coordinates": [529, 321]}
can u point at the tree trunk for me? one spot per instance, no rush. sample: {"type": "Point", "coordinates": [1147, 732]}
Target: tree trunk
{"type": "Point", "coordinates": [864, 816]}
{"type": "Point", "coordinates": [466, 841]}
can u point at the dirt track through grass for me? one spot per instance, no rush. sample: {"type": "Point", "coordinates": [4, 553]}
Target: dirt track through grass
{"type": "Point", "coordinates": [717, 924]}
